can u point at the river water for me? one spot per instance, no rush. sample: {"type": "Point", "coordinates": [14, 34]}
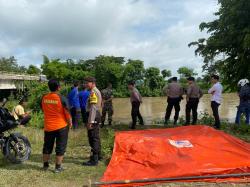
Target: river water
{"type": "Point", "coordinates": [154, 108]}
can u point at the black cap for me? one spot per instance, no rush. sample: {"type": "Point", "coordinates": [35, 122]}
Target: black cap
{"type": "Point", "coordinates": [174, 79]}
{"type": "Point", "coordinates": [90, 79]}
{"type": "Point", "coordinates": [190, 79]}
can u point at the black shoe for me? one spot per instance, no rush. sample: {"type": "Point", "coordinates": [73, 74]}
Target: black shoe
{"type": "Point", "coordinates": [45, 166]}
{"type": "Point", "coordinates": [110, 123]}
{"type": "Point", "coordinates": [175, 122]}
{"type": "Point", "coordinates": [59, 170]}
{"type": "Point", "coordinates": [90, 163]}
{"type": "Point", "coordinates": [141, 123]}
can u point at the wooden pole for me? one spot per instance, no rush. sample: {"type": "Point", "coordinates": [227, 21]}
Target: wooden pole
{"type": "Point", "coordinates": [173, 179]}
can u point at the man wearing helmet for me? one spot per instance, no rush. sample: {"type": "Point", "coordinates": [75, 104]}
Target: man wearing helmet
{"type": "Point", "coordinates": [244, 107]}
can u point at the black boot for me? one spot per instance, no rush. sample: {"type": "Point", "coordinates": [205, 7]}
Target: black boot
{"type": "Point", "coordinates": [110, 123]}
{"type": "Point", "coordinates": [92, 162]}
{"type": "Point", "coordinates": [100, 157]}
{"type": "Point", "coordinates": [175, 122]}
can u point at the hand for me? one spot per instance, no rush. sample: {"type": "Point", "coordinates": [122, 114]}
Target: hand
{"type": "Point", "coordinates": [90, 126]}
{"type": "Point", "coordinates": [70, 125]}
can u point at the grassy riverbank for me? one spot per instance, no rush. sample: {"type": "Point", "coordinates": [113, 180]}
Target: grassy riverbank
{"type": "Point", "coordinates": [30, 173]}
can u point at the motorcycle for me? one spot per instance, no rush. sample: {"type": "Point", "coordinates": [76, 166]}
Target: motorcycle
{"type": "Point", "coordinates": [15, 147]}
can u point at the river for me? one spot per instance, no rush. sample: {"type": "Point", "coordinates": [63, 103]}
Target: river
{"type": "Point", "coordinates": [154, 108]}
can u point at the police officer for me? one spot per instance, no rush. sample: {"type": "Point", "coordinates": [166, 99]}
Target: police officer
{"type": "Point", "coordinates": [107, 96]}
{"type": "Point", "coordinates": [136, 100]}
{"type": "Point", "coordinates": [94, 120]}
{"type": "Point", "coordinates": [174, 93]}
{"type": "Point", "coordinates": [194, 93]}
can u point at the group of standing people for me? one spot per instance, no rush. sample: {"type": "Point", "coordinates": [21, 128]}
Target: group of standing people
{"type": "Point", "coordinates": [175, 93]}
{"type": "Point", "coordinates": [61, 113]}
{"type": "Point", "coordinates": [58, 119]}
{"type": "Point", "coordinates": [78, 98]}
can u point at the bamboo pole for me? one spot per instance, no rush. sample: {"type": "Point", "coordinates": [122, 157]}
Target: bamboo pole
{"type": "Point", "coordinates": [173, 179]}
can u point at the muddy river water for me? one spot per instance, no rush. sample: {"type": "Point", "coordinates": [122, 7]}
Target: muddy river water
{"type": "Point", "coordinates": [154, 107]}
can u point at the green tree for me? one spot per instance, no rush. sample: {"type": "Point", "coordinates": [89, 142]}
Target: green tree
{"type": "Point", "coordinates": [153, 78]}
{"type": "Point", "coordinates": [33, 70]}
{"type": "Point", "coordinates": [185, 72]}
{"type": "Point", "coordinates": [134, 70]}
{"type": "Point", "coordinates": [10, 65]}
{"type": "Point", "coordinates": [166, 73]}
{"type": "Point", "coordinates": [227, 49]}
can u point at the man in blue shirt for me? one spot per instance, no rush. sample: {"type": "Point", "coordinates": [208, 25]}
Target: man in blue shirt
{"type": "Point", "coordinates": [83, 98]}
{"type": "Point", "coordinates": [74, 103]}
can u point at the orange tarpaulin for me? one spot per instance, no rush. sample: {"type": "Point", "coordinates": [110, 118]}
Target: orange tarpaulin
{"type": "Point", "coordinates": [176, 152]}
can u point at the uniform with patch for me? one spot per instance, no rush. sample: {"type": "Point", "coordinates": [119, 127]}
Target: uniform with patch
{"type": "Point", "coordinates": [94, 107]}
{"type": "Point", "coordinates": [107, 95]}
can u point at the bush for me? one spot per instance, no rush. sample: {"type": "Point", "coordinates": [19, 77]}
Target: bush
{"type": "Point", "coordinates": [37, 120]}
{"type": "Point", "coordinates": [36, 93]}
{"type": "Point", "coordinates": [205, 118]}
{"type": "Point", "coordinates": [108, 136]}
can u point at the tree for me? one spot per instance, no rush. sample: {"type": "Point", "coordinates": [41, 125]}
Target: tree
{"type": "Point", "coordinates": [10, 65]}
{"type": "Point", "coordinates": [33, 70]}
{"type": "Point", "coordinates": [186, 72]}
{"type": "Point", "coordinates": [133, 70]}
{"type": "Point", "coordinates": [153, 78]}
{"type": "Point", "coordinates": [227, 49]}
{"type": "Point", "coordinates": [166, 73]}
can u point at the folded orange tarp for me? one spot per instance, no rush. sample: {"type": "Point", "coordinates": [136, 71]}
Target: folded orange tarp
{"type": "Point", "coordinates": [177, 152]}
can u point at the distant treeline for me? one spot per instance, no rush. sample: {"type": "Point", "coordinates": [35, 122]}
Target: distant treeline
{"type": "Point", "coordinates": [107, 69]}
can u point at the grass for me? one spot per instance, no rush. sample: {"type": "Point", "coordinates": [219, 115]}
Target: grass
{"type": "Point", "coordinates": [30, 174]}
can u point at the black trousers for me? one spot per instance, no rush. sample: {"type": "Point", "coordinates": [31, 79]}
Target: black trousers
{"type": "Point", "coordinates": [192, 105]}
{"type": "Point", "coordinates": [215, 107]}
{"type": "Point", "coordinates": [173, 102]}
{"type": "Point", "coordinates": [84, 115]}
{"type": "Point", "coordinates": [25, 120]}
{"type": "Point", "coordinates": [135, 112]}
{"type": "Point", "coordinates": [94, 137]}
{"type": "Point", "coordinates": [73, 113]}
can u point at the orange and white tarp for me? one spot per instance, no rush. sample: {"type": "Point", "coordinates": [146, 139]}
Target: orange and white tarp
{"type": "Point", "coordinates": [177, 152]}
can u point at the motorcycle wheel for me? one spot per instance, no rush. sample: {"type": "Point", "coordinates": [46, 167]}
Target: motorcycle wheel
{"type": "Point", "coordinates": [17, 150]}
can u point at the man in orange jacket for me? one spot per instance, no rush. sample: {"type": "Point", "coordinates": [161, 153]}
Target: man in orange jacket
{"type": "Point", "coordinates": [57, 120]}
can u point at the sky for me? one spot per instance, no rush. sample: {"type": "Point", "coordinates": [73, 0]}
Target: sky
{"type": "Point", "coordinates": [155, 31]}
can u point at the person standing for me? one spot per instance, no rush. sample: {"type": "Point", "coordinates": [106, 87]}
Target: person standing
{"type": "Point", "coordinates": [74, 103]}
{"type": "Point", "coordinates": [194, 93]}
{"type": "Point", "coordinates": [244, 107]}
{"type": "Point", "coordinates": [57, 121]}
{"type": "Point", "coordinates": [83, 98]}
{"type": "Point", "coordinates": [19, 113]}
{"type": "Point", "coordinates": [107, 106]}
{"type": "Point", "coordinates": [216, 92]}
{"type": "Point", "coordinates": [94, 120]}
{"type": "Point", "coordinates": [174, 93]}
{"type": "Point", "coordinates": [136, 100]}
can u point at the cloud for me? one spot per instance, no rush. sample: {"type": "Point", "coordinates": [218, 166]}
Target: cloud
{"type": "Point", "coordinates": [155, 31]}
